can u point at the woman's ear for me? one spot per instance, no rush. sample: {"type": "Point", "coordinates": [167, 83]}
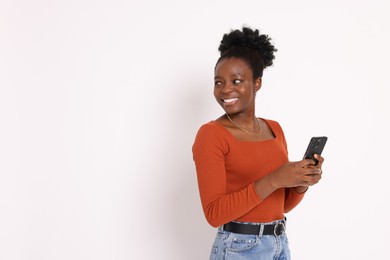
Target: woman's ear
{"type": "Point", "coordinates": [257, 84]}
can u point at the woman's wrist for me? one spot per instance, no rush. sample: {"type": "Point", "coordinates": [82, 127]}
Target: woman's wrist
{"type": "Point", "coordinates": [265, 186]}
{"type": "Point", "coordinates": [301, 189]}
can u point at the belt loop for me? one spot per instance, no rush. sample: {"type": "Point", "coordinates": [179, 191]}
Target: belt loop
{"type": "Point", "coordinates": [220, 228]}
{"type": "Point", "coordinates": [261, 231]}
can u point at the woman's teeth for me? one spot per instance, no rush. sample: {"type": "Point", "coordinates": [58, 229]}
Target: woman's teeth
{"type": "Point", "coordinates": [230, 100]}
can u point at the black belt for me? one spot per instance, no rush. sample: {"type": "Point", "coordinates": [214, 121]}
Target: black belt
{"type": "Point", "coordinates": [255, 229]}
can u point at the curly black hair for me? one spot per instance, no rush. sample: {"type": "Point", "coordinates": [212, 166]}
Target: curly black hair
{"type": "Point", "coordinates": [251, 46]}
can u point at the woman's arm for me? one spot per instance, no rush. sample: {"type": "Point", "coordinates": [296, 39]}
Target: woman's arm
{"type": "Point", "coordinates": [219, 207]}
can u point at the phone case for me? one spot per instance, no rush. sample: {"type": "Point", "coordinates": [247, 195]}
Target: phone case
{"type": "Point", "coordinates": [316, 146]}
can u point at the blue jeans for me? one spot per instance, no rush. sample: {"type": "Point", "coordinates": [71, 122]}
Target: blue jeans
{"type": "Point", "coordinates": [232, 246]}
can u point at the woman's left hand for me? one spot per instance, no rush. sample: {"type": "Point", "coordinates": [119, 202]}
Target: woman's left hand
{"type": "Point", "coordinates": [316, 177]}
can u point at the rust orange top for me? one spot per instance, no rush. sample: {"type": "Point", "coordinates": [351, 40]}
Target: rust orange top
{"type": "Point", "coordinates": [227, 169]}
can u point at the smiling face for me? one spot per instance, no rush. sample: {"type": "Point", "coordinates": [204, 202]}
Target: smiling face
{"type": "Point", "coordinates": [234, 86]}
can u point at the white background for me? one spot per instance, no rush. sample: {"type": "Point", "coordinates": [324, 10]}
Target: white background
{"type": "Point", "coordinates": [100, 102]}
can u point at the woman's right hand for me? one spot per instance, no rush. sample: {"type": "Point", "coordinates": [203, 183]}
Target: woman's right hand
{"type": "Point", "coordinates": [294, 174]}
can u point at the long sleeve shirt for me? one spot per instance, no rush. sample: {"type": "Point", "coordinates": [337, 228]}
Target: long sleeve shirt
{"type": "Point", "coordinates": [227, 169]}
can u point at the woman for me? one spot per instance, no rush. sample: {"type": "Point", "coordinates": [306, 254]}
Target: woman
{"type": "Point", "coordinates": [245, 179]}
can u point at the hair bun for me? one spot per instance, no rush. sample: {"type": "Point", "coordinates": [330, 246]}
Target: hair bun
{"type": "Point", "coordinates": [248, 38]}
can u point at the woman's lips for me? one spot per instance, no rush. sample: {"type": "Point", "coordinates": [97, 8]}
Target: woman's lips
{"type": "Point", "coordinates": [230, 101]}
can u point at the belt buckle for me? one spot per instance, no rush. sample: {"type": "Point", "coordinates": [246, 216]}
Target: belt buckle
{"type": "Point", "coordinates": [279, 229]}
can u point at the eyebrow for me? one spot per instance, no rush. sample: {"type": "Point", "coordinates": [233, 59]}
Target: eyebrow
{"type": "Point", "coordinates": [231, 75]}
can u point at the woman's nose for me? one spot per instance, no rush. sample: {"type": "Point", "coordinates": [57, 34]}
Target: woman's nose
{"type": "Point", "coordinates": [228, 87]}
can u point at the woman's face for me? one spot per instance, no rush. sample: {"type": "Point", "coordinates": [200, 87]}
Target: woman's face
{"type": "Point", "coordinates": [234, 87]}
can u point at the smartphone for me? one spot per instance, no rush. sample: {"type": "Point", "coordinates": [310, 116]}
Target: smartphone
{"type": "Point", "coordinates": [316, 146]}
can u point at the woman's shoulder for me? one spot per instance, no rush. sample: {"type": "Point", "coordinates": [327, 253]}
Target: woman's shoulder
{"type": "Point", "coordinates": [272, 123]}
{"type": "Point", "coordinates": [210, 136]}
{"type": "Point", "coordinates": [211, 128]}
{"type": "Point", "coordinates": [275, 127]}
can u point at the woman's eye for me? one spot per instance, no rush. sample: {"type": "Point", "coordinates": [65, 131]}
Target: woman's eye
{"type": "Point", "coordinates": [236, 81]}
{"type": "Point", "coordinates": [217, 83]}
